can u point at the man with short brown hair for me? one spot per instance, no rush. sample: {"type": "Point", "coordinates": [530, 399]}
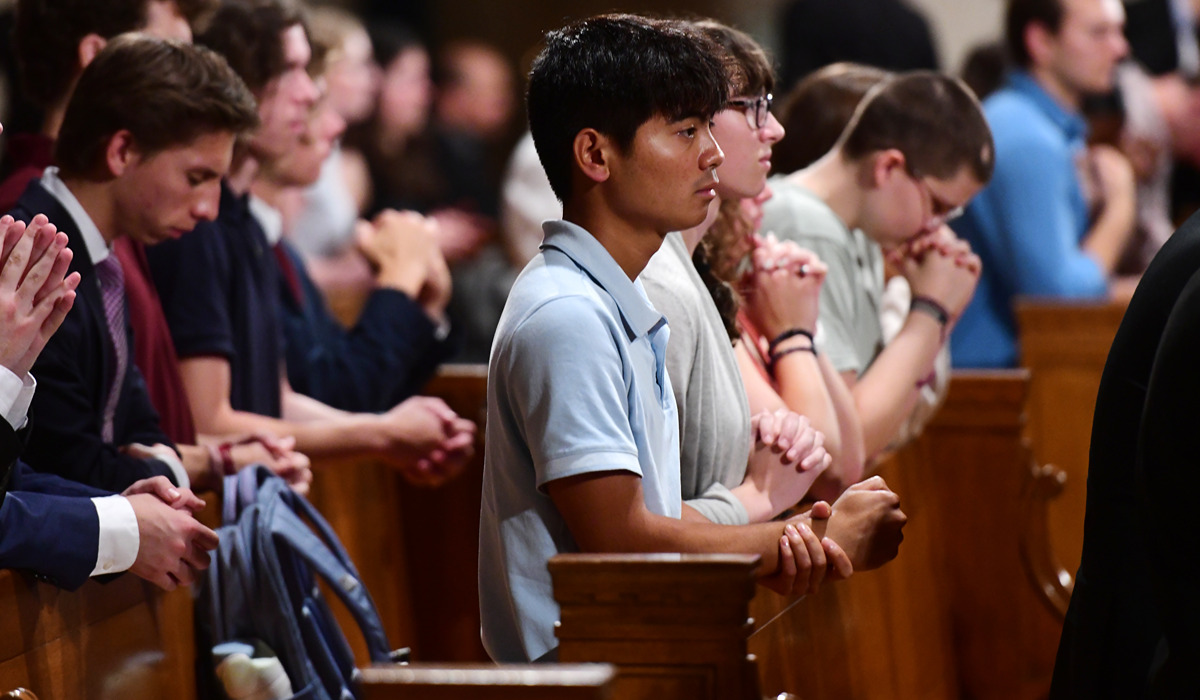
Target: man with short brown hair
{"type": "Point", "coordinates": [145, 139]}
{"type": "Point", "coordinates": [219, 283]}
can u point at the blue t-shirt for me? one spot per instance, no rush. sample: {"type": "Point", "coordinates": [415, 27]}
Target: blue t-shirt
{"type": "Point", "coordinates": [1028, 224]}
{"type": "Point", "coordinates": [577, 384]}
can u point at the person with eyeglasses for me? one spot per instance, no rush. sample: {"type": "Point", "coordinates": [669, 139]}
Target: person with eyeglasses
{"type": "Point", "coordinates": [916, 149]}
{"type": "Point", "coordinates": [721, 479]}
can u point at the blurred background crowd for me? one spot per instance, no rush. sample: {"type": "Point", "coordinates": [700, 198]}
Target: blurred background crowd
{"type": "Point", "coordinates": [428, 97]}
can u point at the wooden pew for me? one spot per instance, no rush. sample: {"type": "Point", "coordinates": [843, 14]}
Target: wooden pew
{"type": "Point", "coordinates": [489, 682]}
{"type": "Point", "coordinates": [125, 639]}
{"type": "Point", "coordinates": [1065, 345]}
{"type": "Point", "coordinates": [956, 615]}
{"type": "Point", "coordinates": [416, 548]}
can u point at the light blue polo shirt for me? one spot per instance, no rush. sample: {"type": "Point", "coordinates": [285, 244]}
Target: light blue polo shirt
{"type": "Point", "coordinates": [577, 383]}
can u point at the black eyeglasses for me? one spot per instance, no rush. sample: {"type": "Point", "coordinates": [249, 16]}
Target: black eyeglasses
{"type": "Point", "coordinates": [757, 117]}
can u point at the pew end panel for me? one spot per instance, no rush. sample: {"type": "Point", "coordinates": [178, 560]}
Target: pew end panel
{"type": "Point", "coordinates": [1065, 344]}
{"type": "Point", "coordinates": [489, 682]}
{"type": "Point", "coordinates": [674, 625]}
{"type": "Point", "coordinates": [976, 452]}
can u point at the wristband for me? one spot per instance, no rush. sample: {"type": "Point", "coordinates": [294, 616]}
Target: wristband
{"type": "Point", "coordinates": [932, 308]}
{"type": "Point", "coordinates": [225, 450]}
{"type": "Point", "coordinates": [775, 357]}
{"type": "Point", "coordinates": [785, 335]}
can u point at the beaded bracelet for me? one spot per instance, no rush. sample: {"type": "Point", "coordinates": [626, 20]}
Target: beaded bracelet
{"type": "Point", "coordinates": [930, 307]}
{"type": "Point", "coordinates": [775, 357]}
{"type": "Point", "coordinates": [788, 334]}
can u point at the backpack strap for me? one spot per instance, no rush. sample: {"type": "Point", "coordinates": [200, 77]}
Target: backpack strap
{"type": "Point", "coordinates": [254, 484]}
{"type": "Point", "coordinates": [326, 557]}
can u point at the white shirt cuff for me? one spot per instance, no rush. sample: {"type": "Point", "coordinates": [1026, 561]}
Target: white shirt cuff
{"type": "Point", "coordinates": [16, 393]}
{"type": "Point", "coordinates": [119, 539]}
{"type": "Point", "coordinates": [176, 467]}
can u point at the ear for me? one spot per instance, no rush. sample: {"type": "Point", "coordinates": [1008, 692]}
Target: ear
{"type": "Point", "coordinates": [592, 151]}
{"type": "Point", "coordinates": [886, 164]}
{"type": "Point", "coordinates": [121, 152]}
{"type": "Point", "coordinates": [1039, 42]}
{"type": "Point", "coordinates": [89, 46]}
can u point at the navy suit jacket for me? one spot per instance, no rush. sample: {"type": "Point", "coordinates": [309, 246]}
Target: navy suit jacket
{"type": "Point", "coordinates": [47, 525]}
{"type": "Point", "coordinates": [74, 372]}
{"type": "Point", "coordinates": [385, 358]}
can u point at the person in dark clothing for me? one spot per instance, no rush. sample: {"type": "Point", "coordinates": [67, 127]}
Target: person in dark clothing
{"type": "Point", "coordinates": [1133, 626]}
{"type": "Point", "coordinates": [887, 34]}
{"type": "Point", "coordinates": [400, 335]}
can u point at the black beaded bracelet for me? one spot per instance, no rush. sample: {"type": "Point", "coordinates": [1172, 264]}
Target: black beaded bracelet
{"type": "Point", "coordinates": [788, 334]}
{"type": "Point", "coordinates": [776, 356]}
{"type": "Point", "coordinates": [931, 307]}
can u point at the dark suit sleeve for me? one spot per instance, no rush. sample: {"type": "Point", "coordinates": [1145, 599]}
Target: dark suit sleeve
{"type": "Point", "coordinates": [1166, 475]}
{"type": "Point", "coordinates": [25, 478]}
{"type": "Point", "coordinates": [56, 537]}
{"type": "Point", "coordinates": [65, 438]}
{"type": "Point", "coordinates": [389, 352]}
{"type": "Point", "coordinates": [48, 525]}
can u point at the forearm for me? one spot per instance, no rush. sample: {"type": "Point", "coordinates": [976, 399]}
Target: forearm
{"type": "Point", "coordinates": [885, 394]}
{"type": "Point", "coordinates": [348, 435]}
{"type": "Point", "coordinates": [197, 462]}
{"type": "Point", "coordinates": [1105, 241]}
{"type": "Point", "coordinates": [606, 512]}
{"type": "Point", "coordinates": [848, 462]}
{"type": "Point", "coordinates": [802, 388]}
{"type": "Point", "coordinates": [657, 533]}
{"type": "Point", "coordinates": [817, 392]}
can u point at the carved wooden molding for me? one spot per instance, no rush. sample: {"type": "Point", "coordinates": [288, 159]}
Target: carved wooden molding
{"type": "Point", "coordinates": [1052, 582]}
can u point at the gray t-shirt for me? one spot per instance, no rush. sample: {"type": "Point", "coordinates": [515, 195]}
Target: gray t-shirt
{"type": "Point", "coordinates": [714, 415]}
{"type": "Point", "coordinates": [849, 332]}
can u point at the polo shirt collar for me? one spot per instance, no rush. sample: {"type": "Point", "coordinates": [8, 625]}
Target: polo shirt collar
{"type": "Point", "coordinates": [1072, 124]}
{"type": "Point", "coordinates": [582, 247]}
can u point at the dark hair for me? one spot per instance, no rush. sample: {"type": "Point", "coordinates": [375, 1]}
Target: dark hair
{"type": "Point", "coordinates": [249, 34]}
{"type": "Point", "coordinates": [613, 73]}
{"type": "Point", "coordinates": [749, 68]}
{"type": "Point", "coordinates": [390, 39]}
{"type": "Point", "coordinates": [817, 111]}
{"type": "Point", "coordinates": [933, 119]}
{"type": "Point", "coordinates": [47, 35]}
{"type": "Point", "coordinates": [165, 93]}
{"type": "Point", "coordinates": [1021, 14]}
{"type": "Point", "coordinates": [984, 68]}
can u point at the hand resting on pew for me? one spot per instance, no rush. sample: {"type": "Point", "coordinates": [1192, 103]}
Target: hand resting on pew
{"type": "Point", "coordinates": [867, 522]}
{"type": "Point", "coordinates": [173, 545]}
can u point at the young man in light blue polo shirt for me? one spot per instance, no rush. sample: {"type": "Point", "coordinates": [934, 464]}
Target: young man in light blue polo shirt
{"type": "Point", "coordinates": [582, 450]}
